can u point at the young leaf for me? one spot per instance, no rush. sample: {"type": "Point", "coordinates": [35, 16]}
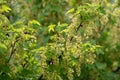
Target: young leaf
{"type": "Point", "coordinates": [51, 28]}
{"type": "Point", "coordinates": [70, 11]}
{"type": "Point", "coordinates": [34, 22]}
{"type": "Point", "coordinates": [5, 8]}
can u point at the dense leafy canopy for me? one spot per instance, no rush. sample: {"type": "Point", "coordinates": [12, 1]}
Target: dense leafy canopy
{"type": "Point", "coordinates": [59, 40]}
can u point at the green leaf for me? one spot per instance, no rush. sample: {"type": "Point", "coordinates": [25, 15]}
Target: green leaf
{"type": "Point", "coordinates": [59, 78]}
{"type": "Point", "coordinates": [5, 76]}
{"type": "Point", "coordinates": [101, 65]}
{"type": "Point", "coordinates": [3, 20]}
{"type": "Point", "coordinates": [51, 68]}
{"type": "Point", "coordinates": [4, 68]}
{"type": "Point", "coordinates": [113, 20]}
{"type": "Point", "coordinates": [27, 37]}
{"type": "Point", "coordinates": [2, 2]}
{"type": "Point", "coordinates": [3, 48]}
{"type": "Point", "coordinates": [26, 72]}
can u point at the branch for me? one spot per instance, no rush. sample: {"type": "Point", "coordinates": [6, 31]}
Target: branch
{"type": "Point", "coordinates": [13, 49]}
{"type": "Point", "coordinates": [41, 77]}
{"type": "Point", "coordinates": [80, 25]}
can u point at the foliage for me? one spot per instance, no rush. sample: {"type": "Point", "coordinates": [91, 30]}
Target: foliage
{"type": "Point", "coordinates": [43, 40]}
